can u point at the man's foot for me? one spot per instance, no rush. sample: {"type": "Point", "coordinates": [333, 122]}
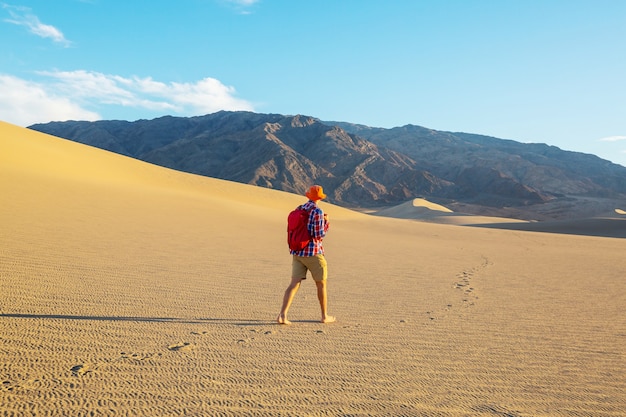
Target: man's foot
{"type": "Point", "coordinates": [282, 319]}
{"type": "Point", "coordinates": [329, 319]}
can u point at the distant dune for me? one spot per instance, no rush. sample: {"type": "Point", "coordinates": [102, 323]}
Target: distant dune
{"type": "Point", "coordinates": [424, 210]}
{"type": "Point", "coordinates": [599, 226]}
{"type": "Point", "coordinates": [611, 225]}
{"type": "Point", "coordinates": [130, 289]}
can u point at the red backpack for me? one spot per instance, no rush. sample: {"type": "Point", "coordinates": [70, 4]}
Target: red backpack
{"type": "Point", "coordinates": [298, 236]}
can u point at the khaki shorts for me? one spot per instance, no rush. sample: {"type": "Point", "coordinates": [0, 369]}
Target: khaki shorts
{"type": "Point", "coordinates": [316, 264]}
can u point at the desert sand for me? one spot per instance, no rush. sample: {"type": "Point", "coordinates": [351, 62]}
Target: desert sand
{"type": "Point", "coordinates": [128, 289]}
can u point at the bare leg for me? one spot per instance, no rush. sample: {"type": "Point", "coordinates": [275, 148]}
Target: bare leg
{"type": "Point", "coordinates": [323, 299]}
{"type": "Point", "coordinates": [290, 292]}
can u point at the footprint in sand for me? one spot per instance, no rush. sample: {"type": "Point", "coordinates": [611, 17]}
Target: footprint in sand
{"type": "Point", "coordinates": [80, 370]}
{"type": "Point", "coordinates": [264, 331]}
{"type": "Point", "coordinates": [181, 347]}
{"type": "Point", "coordinates": [464, 284]}
{"type": "Point", "coordinates": [138, 356]}
{"type": "Point", "coordinates": [8, 386]}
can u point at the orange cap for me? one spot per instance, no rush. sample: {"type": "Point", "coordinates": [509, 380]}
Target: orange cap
{"type": "Point", "coordinates": [316, 192]}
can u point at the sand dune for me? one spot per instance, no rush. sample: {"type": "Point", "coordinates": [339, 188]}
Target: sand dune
{"type": "Point", "coordinates": [427, 211]}
{"type": "Point", "coordinates": [128, 289]}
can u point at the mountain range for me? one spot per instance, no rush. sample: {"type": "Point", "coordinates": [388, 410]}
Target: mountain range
{"type": "Point", "coordinates": [366, 167]}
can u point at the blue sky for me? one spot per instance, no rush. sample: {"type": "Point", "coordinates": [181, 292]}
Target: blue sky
{"type": "Point", "coordinates": [546, 71]}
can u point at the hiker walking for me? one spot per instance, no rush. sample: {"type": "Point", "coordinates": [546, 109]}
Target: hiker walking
{"type": "Point", "coordinates": [311, 258]}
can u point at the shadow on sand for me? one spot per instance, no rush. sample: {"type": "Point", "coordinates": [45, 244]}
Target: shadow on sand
{"type": "Point", "coordinates": [238, 322]}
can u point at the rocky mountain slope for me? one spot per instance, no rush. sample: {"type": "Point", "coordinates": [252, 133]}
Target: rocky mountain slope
{"type": "Point", "coordinates": [360, 166]}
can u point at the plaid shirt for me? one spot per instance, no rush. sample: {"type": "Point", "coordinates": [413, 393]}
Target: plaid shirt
{"type": "Point", "coordinates": [317, 229]}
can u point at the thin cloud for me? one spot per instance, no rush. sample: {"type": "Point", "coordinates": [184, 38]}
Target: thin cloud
{"type": "Point", "coordinates": [205, 96]}
{"type": "Point", "coordinates": [613, 139]}
{"type": "Point", "coordinates": [244, 3]}
{"type": "Point", "coordinates": [65, 95]}
{"type": "Point", "coordinates": [242, 6]}
{"type": "Point", "coordinates": [23, 16]}
{"type": "Point", "coordinates": [84, 86]}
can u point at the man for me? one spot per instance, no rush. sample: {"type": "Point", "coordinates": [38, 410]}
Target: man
{"type": "Point", "coordinates": [311, 258]}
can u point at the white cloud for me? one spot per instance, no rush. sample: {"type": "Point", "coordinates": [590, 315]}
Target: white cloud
{"type": "Point", "coordinates": [64, 95]}
{"type": "Point", "coordinates": [612, 139]}
{"type": "Point", "coordinates": [24, 103]}
{"type": "Point", "coordinates": [205, 96]}
{"type": "Point", "coordinates": [23, 16]}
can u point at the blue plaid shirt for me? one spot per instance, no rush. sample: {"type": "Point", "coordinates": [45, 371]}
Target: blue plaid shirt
{"type": "Point", "coordinates": [317, 229]}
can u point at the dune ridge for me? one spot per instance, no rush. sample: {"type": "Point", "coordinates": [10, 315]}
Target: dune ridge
{"type": "Point", "coordinates": [129, 289]}
{"type": "Point", "coordinates": [427, 211]}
